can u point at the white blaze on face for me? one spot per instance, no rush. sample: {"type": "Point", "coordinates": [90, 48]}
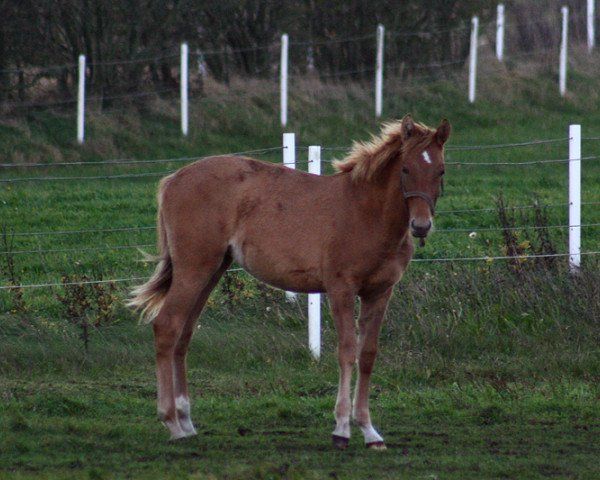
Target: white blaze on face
{"type": "Point", "coordinates": [426, 156]}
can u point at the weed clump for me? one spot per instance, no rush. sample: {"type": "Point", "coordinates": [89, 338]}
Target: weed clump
{"type": "Point", "coordinates": [8, 269]}
{"type": "Point", "coordinates": [87, 303]}
{"type": "Point", "coordinates": [536, 242]}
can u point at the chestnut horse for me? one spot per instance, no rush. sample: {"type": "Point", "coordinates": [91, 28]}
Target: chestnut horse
{"type": "Point", "coordinates": [346, 235]}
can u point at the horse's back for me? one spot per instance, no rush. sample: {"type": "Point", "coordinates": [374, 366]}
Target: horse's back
{"type": "Point", "coordinates": [238, 182]}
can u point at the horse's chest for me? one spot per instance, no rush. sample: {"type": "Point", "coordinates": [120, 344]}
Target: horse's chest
{"type": "Point", "coordinates": [388, 273]}
{"type": "Point", "coordinates": [389, 268]}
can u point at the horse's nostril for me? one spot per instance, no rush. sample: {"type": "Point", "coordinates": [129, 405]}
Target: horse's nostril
{"type": "Point", "coordinates": [420, 229]}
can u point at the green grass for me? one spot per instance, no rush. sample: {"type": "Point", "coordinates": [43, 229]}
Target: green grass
{"type": "Point", "coordinates": [492, 402]}
{"type": "Point", "coordinates": [486, 370]}
{"type": "Point", "coordinates": [439, 432]}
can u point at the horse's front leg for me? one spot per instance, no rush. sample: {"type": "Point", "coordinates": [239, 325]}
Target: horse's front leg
{"type": "Point", "coordinates": [342, 307]}
{"type": "Point", "coordinates": [369, 326]}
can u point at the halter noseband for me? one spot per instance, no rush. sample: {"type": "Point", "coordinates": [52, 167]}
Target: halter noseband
{"type": "Point", "coordinates": [422, 195]}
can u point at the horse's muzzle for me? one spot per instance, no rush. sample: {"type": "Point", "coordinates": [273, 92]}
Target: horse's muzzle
{"type": "Point", "coordinates": [420, 230]}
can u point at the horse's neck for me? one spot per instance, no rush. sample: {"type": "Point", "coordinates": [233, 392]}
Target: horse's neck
{"type": "Point", "coordinates": [394, 205]}
{"type": "Point", "coordinates": [383, 199]}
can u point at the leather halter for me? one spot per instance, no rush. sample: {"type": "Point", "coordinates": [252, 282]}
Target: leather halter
{"type": "Point", "coordinates": [422, 195]}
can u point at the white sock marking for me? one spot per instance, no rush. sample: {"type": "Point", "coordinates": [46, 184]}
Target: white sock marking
{"type": "Point", "coordinates": [371, 435]}
{"type": "Point", "coordinates": [182, 404]}
{"type": "Point", "coordinates": [183, 411]}
{"type": "Point", "coordinates": [342, 428]}
{"type": "Point", "coordinates": [426, 156]}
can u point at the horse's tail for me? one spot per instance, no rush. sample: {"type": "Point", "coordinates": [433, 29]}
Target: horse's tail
{"type": "Point", "coordinates": [149, 297]}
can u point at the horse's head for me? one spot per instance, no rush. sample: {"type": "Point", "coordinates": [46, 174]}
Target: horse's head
{"type": "Point", "coordinates": [422, 172]}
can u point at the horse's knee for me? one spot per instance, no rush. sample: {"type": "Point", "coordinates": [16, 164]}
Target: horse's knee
{"type": "Point", "coordinates": [347, 351]}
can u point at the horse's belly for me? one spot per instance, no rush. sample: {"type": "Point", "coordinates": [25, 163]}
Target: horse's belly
{"type": "Point", "coordinates": [288, 271]}
{"type": "Point", "coordinates": [294, 281]}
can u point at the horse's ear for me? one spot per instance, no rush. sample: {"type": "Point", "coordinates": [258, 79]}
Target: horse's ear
{"type": "Point", "coordinates": [443, 132]}
{"type": "Point", "coordinates": [407, 128]}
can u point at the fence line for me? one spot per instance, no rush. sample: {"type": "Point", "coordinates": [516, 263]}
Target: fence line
{"type": "Point", "coordinates": [94, 163]}
{"type": "Point", "coordinates": [134, 161]}
{"type": "Point", "coordinates": [503, 257]}
{"type": "Point", "coordinates": [314, 300]}
{"type": "Point", "coordinates": [506, 145]}
{"type": "Point", "coordinates": [423, 66]}
{"type": "Point", "coordinates": [271, 46]}
{"type": "Point", "coordinates": [493, 146]}
{"type": "Point", "coordinates": [488, 259]}
{"type": "Point", "coordinates": [286, 146]}
{"type": "Point", "coordinates": [518, 227]}
{"type": "Point", "coordinates": [153, 227]}
{"type": "Point", "coordinates": [78, 232]}
{"type": "Point", "coordinates": [63, 284]}
{"type": "Point", "coordinates": [108, 63]}
{"type": "Point", "coordinates": [168, 172]}
{"type": "Point", "coordinates": [79, 249]}
{"type": "Point", "coordinates": [258, 151]}
{"type": "Point", "coordinates": [516, 207]}
{"type": "Point", "coordinates": [428, 33]}
{"type": "Point", "coordinates": [518, 164]}
{"type": "Point", "coordinates": [319, 43]}
{"type": "Point", "coordinates": [152, 245]}
{"type": "Point", "coordinates": [86, 177]}
{"type": "Point", "coordinates": [187, 159]}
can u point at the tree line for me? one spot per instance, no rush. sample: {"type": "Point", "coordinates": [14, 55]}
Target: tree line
{"type": "Point", "coordinates": [132, 45]}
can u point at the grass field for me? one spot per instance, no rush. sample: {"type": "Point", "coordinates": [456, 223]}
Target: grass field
{"type": "Point", "coordinates": [487, 369]}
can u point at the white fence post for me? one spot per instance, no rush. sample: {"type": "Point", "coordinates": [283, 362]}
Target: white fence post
{"type": "Point", "coordinates": [379, 72]}
{"type": "Point", "coordinates": [284, 78]}
{"type": "Point", "coordinates": [591, 30]}
{"type": "Point", "coordinates": [81, 101]}
{"type": "Point", "coordinates": [500, 32]}
{"type": "Point", "coordinates": [562, 76]}
{"type": "Point", "coordinates": [289, 160]}
{"type": "Point", "coordinates": [184, 88]}
{"type": "Point", "coordinates": [574, 198]}
{"type": "Point", "coordinates": [314, 299]}
{"type": "Point", "coordinates": [289, 150]}
{"type": "Point", "coordinates": [473, 58]}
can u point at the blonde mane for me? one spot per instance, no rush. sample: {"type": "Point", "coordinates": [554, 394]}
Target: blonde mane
{"type": "Point", "coordinates": [367, 160]}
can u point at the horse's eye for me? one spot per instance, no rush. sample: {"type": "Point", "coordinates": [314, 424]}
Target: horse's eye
{"type": "Point", "coordinates": [442, 173]}
{"type": "Point", "coordinates": [405, 170]}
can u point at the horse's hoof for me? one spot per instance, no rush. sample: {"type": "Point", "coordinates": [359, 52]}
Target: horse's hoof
{"type": "Point", "coordinates": [179, 435]}
{"type": "Point", "coordinates": [376, 446]}
{"type": "Point", "coordinates": [341, 443]}
{"type": "Point", "coordinates": [189, 430]}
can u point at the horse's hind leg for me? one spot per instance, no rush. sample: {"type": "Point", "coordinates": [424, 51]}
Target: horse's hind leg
{"type": "Point", "coordinates": [169, 327]}
{"type": "Point", "coordinates": [182, 399]}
